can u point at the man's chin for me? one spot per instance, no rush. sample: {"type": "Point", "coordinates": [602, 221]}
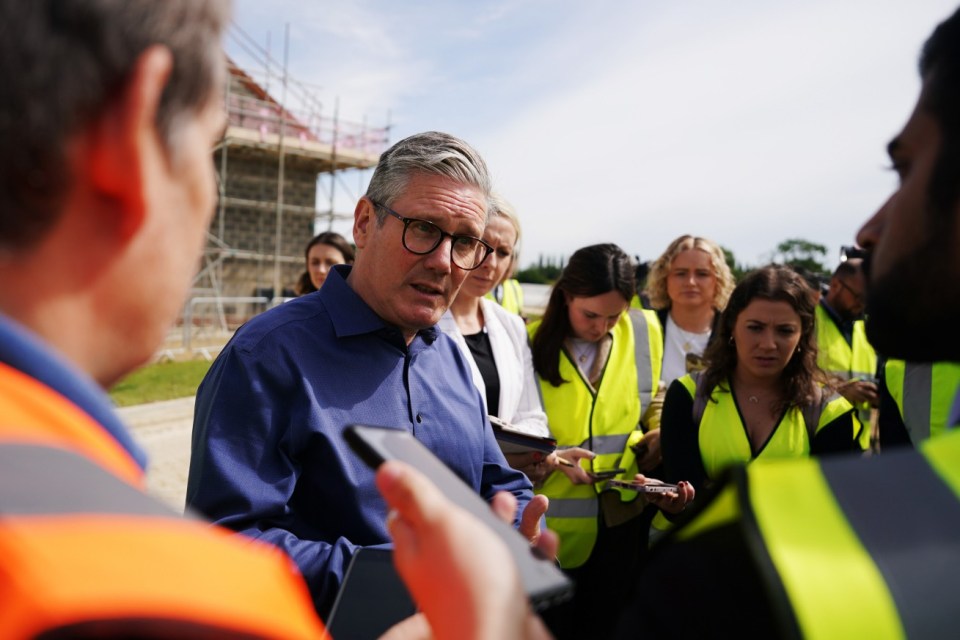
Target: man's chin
{"type": "Point", "coordinates": [915, 332]}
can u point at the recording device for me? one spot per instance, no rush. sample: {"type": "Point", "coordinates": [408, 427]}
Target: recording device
{"type": "Point", "coordinates": [544, 583]}
{"type": "Point", "coordinates": [851, 253]}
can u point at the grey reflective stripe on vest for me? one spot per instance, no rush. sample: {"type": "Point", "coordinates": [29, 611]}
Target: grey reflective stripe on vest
{"type": "Point", "coordinates": [38, 480]}
{"type": "Point", "coordinates": [917, 395]}
{"type": "Point", "coordinates": [610, 444]}
{"type": "Point", "coordinates": [908, 520]}
{"type": "Point", "coordinates": [641, 346]}
{"type": "Point", "coordinates": [573, 508]}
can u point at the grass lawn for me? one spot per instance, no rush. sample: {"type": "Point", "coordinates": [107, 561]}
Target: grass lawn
{"type": "Point", "coordinates": [161, 381]}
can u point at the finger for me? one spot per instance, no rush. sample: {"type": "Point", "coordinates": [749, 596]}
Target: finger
{"type": "Point", "coordinates": [548, 544]}
{"type": "Point", "coordinates": [504, 504]}
{"type": "Point", "coordinates": [530, 518]}
{"type": "Point", "coordinates": [417, 500]}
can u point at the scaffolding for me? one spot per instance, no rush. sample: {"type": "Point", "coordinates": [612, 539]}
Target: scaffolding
{"type": "Point", "coordinates": [271, 165]}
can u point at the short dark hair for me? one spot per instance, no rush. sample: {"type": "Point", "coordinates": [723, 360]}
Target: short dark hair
{"type": "Point", "coordinates": [778, 283]}
{"type": "Point", "coordinates": [940, 70]}
{"type": "Point", "coordinates": [62, 62]}
{"type": "Point", "coordinates": [591, 271]}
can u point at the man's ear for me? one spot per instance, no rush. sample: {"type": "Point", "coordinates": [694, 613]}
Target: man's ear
{"type": "Point", "coordinates": [124, 144]}
{"type": "Point", "coordinates": [364, 219]}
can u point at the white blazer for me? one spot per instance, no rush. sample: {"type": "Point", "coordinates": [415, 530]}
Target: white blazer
{"type": "Point", "coordinates": [520, 401]}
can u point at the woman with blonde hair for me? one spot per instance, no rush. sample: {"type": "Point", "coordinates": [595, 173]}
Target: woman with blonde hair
{"type": "Point", "coordinates": [689, 286]}
{"type": "Point", "coordinates": [494, 342]}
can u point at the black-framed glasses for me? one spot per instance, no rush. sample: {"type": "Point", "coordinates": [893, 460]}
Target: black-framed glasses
{"type": "Point", "coordinates": [857, 296]}
{"type": "Point", "coordinates": [422, 236]}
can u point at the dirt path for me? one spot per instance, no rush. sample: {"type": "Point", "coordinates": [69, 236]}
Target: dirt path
{"type": "Point", "coordinates": [163, 429]}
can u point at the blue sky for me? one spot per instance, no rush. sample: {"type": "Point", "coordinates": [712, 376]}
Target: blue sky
{"type": "Point", "coordinates": [633, 122]}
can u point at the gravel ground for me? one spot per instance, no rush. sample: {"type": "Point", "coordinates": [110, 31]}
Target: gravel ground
{"type": "Point", "coordinates": [163, 429]}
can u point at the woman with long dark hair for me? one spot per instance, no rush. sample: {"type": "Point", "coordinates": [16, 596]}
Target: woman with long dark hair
{"type": "Point", "coordinates": [598, 365]}
{"type": "Point", "coordinates": [762, 394]}
{"type": "Point", "coordinates": [323, 252]}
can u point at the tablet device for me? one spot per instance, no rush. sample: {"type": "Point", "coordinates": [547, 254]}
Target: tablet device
{"type": "Point", "coordinates": [513, 440]}
{"type": "Point", "coordinates": [371, 599]}
{"type": "Point", "coordinates": [543, 582]}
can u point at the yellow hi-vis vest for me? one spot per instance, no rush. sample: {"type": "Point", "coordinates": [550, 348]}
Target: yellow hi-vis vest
{"type": "Point", "coordinates": [820, 531]}
{"type": "Point", "coordinates": [846, 361]}
{"type": "Point", "coordinates": [924, 393]}
{"type": "Point", "coordinates": [606, 422]}
{"type": "Point", "coordinates": [508, 295]}
{"type": "Point", "coordinates": [724, 442]}
{"type": "Point", "coordinates": [723, 438]}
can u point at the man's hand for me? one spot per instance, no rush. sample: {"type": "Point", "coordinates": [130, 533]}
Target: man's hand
{"type": "Point", "coordinates": [459, 572]}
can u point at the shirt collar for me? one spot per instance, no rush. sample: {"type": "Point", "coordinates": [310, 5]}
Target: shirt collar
{"type": "Point", "coordinates": [23, 350]}
{"type": "Point", "coordinates": [352, 316]}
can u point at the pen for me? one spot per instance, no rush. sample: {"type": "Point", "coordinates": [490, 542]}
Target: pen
{"type": "Point", "coordinates": [565, 463]}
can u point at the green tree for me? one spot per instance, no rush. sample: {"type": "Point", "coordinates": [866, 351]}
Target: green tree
{"type": "Point", "coordinates": [738, 270]}
{"type": "Point", "coordinates": [803, 254]}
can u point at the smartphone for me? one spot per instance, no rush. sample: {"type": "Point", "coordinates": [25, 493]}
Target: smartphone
{"type": "Point", "coordinates": [605, 474]}
{"type": "Point", "coordinates": [544, 583]}
{"type": "Point", "coordinates": [650, 487]}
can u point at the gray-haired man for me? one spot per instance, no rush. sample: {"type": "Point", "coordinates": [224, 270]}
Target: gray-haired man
{"type": "Point", "coordinates": [269, 459]}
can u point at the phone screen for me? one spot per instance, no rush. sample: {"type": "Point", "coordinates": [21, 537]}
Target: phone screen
{"type": "Point", "coordinates": [544, 583]}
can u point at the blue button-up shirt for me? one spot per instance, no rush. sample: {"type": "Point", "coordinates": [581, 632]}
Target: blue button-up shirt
{"type": "Point", "coordinates": [269, 458]}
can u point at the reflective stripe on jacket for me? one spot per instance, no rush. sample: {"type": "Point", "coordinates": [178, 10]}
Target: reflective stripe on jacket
{"type": "Point", "coordinates": [83, 551]}
{"type": "Point", "coordinates": [924, 393]}
{"type": "Point", "coordinates": [603, 422]}
{"type": "Point", "coordinates": [821, 531]}
{"type": "Point", "coordinates": [508, 295]}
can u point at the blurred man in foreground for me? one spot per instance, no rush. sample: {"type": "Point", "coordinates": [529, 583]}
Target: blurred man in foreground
{"type": "Point", "coordinates": [108, 112]}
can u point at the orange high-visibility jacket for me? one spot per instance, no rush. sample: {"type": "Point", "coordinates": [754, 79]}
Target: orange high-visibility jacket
{"type": "Point", "coordinates": [84, 551]}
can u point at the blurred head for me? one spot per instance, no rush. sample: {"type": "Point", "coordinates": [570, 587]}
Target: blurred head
{"type": "Point", "coordinates": [693, 272]}
{"type": "Point", "coordinates": [593, 291]}
{"type": "Point", "coordinates": [503, 236]}
{"type": "Point", "coordinates": [438, 185]}
{"type": "Point", "coordinates": [78, 55]}
{"type": "Point", "coordinates": [323, 252]}
{"type": "Point", "coordinates": [846, 294]}
{"type": "Point", "coordinates": [912, 264]}
{"type": "Point", "coordinates": [777, 300]}
{"type": "Point", "coordinates": [108, 114]}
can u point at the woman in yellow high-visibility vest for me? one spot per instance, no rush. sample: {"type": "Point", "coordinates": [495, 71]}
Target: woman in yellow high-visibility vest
{"type": "Point", "coordinates": [598, 366]}
{"type": "Point", "coordinates": [762, 394]}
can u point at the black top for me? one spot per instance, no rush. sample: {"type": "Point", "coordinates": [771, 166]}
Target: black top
{"type": "Point", "coordinates": [479, 344]}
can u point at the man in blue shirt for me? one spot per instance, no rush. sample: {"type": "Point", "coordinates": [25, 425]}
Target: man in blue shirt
{"type": "Point", "coordinates": [269, 459]}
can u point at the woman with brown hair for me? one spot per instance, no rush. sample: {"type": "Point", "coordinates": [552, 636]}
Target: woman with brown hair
{"type": "Point", "coordinates": [762, 394]}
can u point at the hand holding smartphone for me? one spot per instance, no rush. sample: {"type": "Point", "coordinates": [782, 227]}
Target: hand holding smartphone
{"type": "Point", "coordinates": [543, 582]}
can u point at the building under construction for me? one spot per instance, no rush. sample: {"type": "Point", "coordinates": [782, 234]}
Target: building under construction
{"type": "Point", "coordinates": [269, 164]}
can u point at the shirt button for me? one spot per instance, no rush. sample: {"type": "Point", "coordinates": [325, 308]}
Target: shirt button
{"type": "Point", "coordinates": [419, 418]}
